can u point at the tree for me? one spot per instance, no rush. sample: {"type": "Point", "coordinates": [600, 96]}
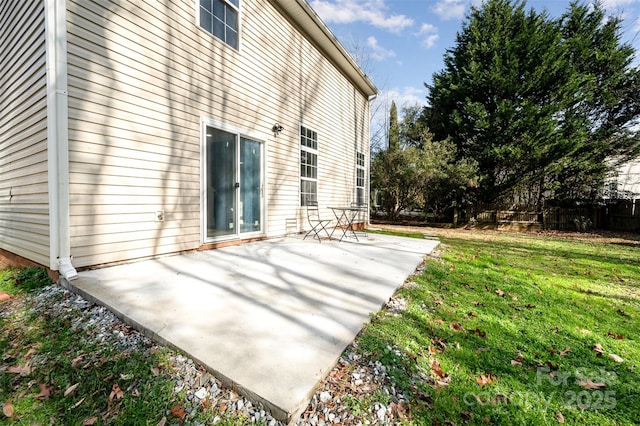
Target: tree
{"type": "Point", "coordinates": [394, 172]}
{"type": "Point", "coordinates": [396, 175]}
{"type": "Point", "coordinates": [446, 180]}
{"type": "Point", "coordinates": [602, 116]}
{"type": "Point", "coordinates": [421, 173]}
{"type": "Point", "coordinates": [539, 103]}
{"type": "Point", "coordinates": [394, 129]}
{"type": "Point", "coordinates": [412, 127]}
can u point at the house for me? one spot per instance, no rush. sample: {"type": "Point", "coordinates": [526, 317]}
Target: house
{"type": "Point", "coordinates": [131, 130]}
{"type": "Point", "coordinates": [624, 182]}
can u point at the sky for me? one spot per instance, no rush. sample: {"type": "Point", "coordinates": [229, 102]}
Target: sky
{"type": "Point", "coordinates": [404, 41]}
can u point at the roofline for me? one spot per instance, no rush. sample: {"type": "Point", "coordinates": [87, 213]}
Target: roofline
{"type": "Point", "coordinates": [321, 34]}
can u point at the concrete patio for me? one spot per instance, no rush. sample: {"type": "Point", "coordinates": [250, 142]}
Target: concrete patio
{"type": "Point", "coordinates": [269, 318]}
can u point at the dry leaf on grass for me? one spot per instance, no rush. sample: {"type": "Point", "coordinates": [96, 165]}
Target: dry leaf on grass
{"type": "Point", "coordinates": [7, 409]}
{"type": "Point", "coordinates": [500, 292]}
{"type": "Point", "coordinates": [485, 379]}
{"type": "Point", "coordinates": [480, 333]}
{"type": "Point", "coordinates": [77, 361]}
{"type": "Point", "coordinates": [559, 417]}
{"type": "Point", "coordinates": [456, 326]}
{"type": "Point", "coordinates": [437, 369]}
{"type": "Point", "coordinates": [443, 382]}
{"type": "Point", "coordinates": [21, 370]}
{"type": "Point", "coordinates": [401, 410]}
{"type": "Point", "coordinates": [616, 358]}
{"type": "Point", "coordinates": [30, 353]}
{"type": "Point", "coordinates": [90, 421]}
{"type": "Point", "coordinates": [598, 349]}
{"type": "Point", "coordinates": [71, 389]}
{"type": "Point", "coordinates": [116, 393]}
{"type": "Point", "coordinates": [565, 351]}
{"type": "Point", "coordinates": [45, 392]}
{"type": "Point", "coordinates": [178, 412]}
{"type": "Point", "coordinates": [517, 360]}
{"type": "Point", "coordinates": [615, 335]}
{"type": "Point", "coordinates": [162, 422]}
{"type": "Point", "coordinates": [590, 384]}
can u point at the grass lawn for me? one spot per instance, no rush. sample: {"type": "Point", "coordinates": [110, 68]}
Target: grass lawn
{"type": "Point", "coordinates": [517, 329]}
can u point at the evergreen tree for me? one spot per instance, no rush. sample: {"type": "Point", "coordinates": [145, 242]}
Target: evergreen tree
{"type": "Point", "coordinates": [604, 100]}
{"type": "Point", "coordinates": [394, 129]}
{"type": "Point", "coordinates": [539, 103]}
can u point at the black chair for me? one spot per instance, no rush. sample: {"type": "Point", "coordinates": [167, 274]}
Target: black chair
{"type": "Point", "coordinates": [317, 224]}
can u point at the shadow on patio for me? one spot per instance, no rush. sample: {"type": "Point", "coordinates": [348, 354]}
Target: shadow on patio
{"type": "Point", "coordinates": [269, 318]}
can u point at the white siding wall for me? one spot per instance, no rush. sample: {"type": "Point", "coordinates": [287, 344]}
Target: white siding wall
{"type": "Point", "coordinates": [24, 211]}
{"type": "Point", "coordinates": [628, 179]}
{"type": "Point", "coordinates": [142, 74]}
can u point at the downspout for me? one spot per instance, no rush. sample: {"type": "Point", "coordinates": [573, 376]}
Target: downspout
{"type": "Point", "coordinates": [368, 162]}
{"type": "Point", "coordinates": [58, 138]}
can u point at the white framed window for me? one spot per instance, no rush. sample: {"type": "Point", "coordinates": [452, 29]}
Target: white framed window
{"type": "Point", "coordinates": [360, 178]}
{"type": "Point", "coordinates": [308, 166]}
{"type": "Point", "coordinates": [221, 19]}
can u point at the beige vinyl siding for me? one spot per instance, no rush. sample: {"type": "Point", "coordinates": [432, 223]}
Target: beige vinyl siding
{"type": "Point", "coordinates": [24, 201]}
{"type": "Point", "coordinates": [142, 75]}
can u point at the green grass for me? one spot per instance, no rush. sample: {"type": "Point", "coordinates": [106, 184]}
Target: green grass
{"type": "Point", "coordinates": [543, 303]}
{"type": "Point", "coordinates": [418, 235]}
{"type": "Point", "coordinates": [525, 310]}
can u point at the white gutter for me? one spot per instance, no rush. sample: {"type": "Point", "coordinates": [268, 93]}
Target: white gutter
{"type": "Point", "coordinates": [309, 21]}
{"type": "Point", "coordinates": [58, 138]}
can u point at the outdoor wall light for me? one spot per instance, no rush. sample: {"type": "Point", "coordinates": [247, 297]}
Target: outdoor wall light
{"type": "Point", "coordinates": [277, 128]}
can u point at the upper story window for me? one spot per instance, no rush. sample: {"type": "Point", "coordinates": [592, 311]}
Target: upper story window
{"type": "Point", "coordinates": [220, 18]}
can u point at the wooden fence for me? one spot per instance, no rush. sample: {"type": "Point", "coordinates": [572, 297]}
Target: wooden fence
{"type": "Point", "coordinates": [621, 215]}
{"type": "Point", "coordinates": [624, 215]}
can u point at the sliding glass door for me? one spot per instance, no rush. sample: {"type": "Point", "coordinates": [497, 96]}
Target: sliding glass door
{"type": "Point", "coordinates": [233, 194]}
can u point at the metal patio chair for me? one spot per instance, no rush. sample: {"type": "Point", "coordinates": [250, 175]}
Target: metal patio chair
{"type": "Point", "coordinates": [317, 224]}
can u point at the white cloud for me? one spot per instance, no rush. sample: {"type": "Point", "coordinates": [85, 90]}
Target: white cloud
{"type": "Point", "coordinates": [429, 35]}
{"type": "Point", "coordinates": [402, 96]}
{"type": "Point", "coordinates": [408, 96]}
{"type": "Point", "coordinates": [377, 52]}
{"type": "Point", "coordinates": [612, 4]}
{"type": "Point", "coordinates": [372, 12]}
{"type": "Point", "coordinates": [450, 9]}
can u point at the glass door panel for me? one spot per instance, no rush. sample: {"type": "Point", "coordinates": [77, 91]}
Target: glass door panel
{"type": "Point", "coordinates": [221, 197]}
{"type": "Point", "coordinates": [250, 186]}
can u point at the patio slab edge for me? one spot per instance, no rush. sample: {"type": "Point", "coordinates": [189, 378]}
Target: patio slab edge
{"type": "Point", "coordinates": [277, 412]}
{"type": "Point", "coordinates": [317, 308]}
